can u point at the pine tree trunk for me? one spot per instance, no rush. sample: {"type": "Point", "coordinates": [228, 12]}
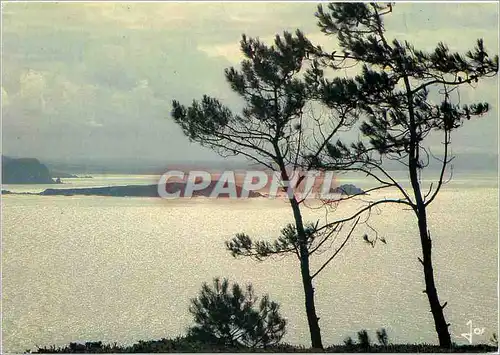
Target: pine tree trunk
{"type": "Point", "coordinates": [425, 239]}
{"type": "Point", "coordinates": [430, 286]}
{"type": "Point", "coordinates": [312, 319]}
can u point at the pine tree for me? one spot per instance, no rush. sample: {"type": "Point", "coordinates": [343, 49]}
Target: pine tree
{"type": "Point", "coordinates": [227, 315]}
{"type": "Point", "coordinates": [274, 130]}
{"type": "Point", "coordinates": [395, 91]}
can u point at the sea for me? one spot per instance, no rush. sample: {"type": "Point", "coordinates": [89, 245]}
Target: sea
{"type": "Point", "coordinates": [124, 269]}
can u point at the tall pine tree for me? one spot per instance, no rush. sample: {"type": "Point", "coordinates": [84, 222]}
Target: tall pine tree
{"type": "Point", "coordinates": [275, 130]}
{"type": "Point", "coordinates": [406, 95]}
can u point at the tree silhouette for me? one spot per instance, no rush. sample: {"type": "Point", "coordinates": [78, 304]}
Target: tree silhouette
{"type": "Point", "coordinates": [227, 315]}
{"type": "Point", "coordinates": [276, 129]}
{"type": "Point", "coordinates": [406, 96]}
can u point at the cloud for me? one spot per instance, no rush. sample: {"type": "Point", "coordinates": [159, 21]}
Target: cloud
{"type": "Point", "coordinates": [97, 79]}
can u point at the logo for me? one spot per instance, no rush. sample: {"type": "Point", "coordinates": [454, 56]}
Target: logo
{"type": "Point", "coordinates": [241, 185]}
{"type": "Point", "coordinates": [472, 331]}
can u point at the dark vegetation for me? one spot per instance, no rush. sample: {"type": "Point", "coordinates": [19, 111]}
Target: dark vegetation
{"type": "Point", "coordinates": [189, 345]}
{"type": "Point", "coordinates": [231, 316]}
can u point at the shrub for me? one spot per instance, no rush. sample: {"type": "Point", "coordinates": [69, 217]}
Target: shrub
{"type": "Point", "coordinates": [229, 316]}
{"type": "Point", "coordinates": [364, 338]}
{"type": "Point", "coordinates": [494, 339]}
{"type": "Point", "coordinates": [382, 337]}
{"type": "Point", "coordinates": [349, 342]}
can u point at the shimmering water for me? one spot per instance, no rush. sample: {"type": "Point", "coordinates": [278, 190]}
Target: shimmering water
{"type": "Point", "coordinates": [87, 268]}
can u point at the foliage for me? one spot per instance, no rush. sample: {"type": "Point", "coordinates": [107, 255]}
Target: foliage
{"type": "Point", "coordinates": [494, 339]}
{"type": "Point", "coordinates": [288, 242]}
{"type": "Point", "coordinates": [227, 315]}
{"type": "Point", "coordinates": [349, 342]}
{"type": "Point", "coordinates": [382, 337]}
{"type": "Point", "coordinates": [364, 339]}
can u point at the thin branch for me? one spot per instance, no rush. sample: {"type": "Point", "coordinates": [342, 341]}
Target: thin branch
{"type": "Point", "coordinates": [334, 229]}
{"type": "Point", "coordinates": [443, 167]}
{"type": "Point", "coordinates": [337, 251]}
{"type": "Point", "coordinates": [368, 208]}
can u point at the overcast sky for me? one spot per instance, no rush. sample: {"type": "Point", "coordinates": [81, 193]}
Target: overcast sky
{"type": "Point", "coordinates": [96, 80]}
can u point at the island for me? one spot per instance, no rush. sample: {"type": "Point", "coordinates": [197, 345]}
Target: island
{"type": "Point", "coordinates": [171, 188]}
{"type": "Point", "coordinates": [143, 191]}
{"type": "Point", "coordinates": [349, 189]}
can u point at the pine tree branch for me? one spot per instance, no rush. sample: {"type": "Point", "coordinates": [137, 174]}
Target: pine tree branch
{"type": "Point", "coordinates": [337, 251]}
{"type": "Point", "coordinates": [443, 167]}
{"type": "Point", "coordinates": [446, 82]}
{"type": "Point", "coordinates": [365, 209]}
{"type": "Point", "coordinates": [333, 230]}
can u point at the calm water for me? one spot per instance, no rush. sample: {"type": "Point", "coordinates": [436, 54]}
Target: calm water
{"type": "Point", "coordinates": [123, 269]}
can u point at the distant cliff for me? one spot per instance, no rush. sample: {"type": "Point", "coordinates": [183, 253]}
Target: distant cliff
{"type": "Point", "coordinates": [24, 171]}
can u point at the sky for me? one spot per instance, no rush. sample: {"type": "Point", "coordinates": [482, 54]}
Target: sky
{"type": "Point", "coordinates": [90, 81]}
